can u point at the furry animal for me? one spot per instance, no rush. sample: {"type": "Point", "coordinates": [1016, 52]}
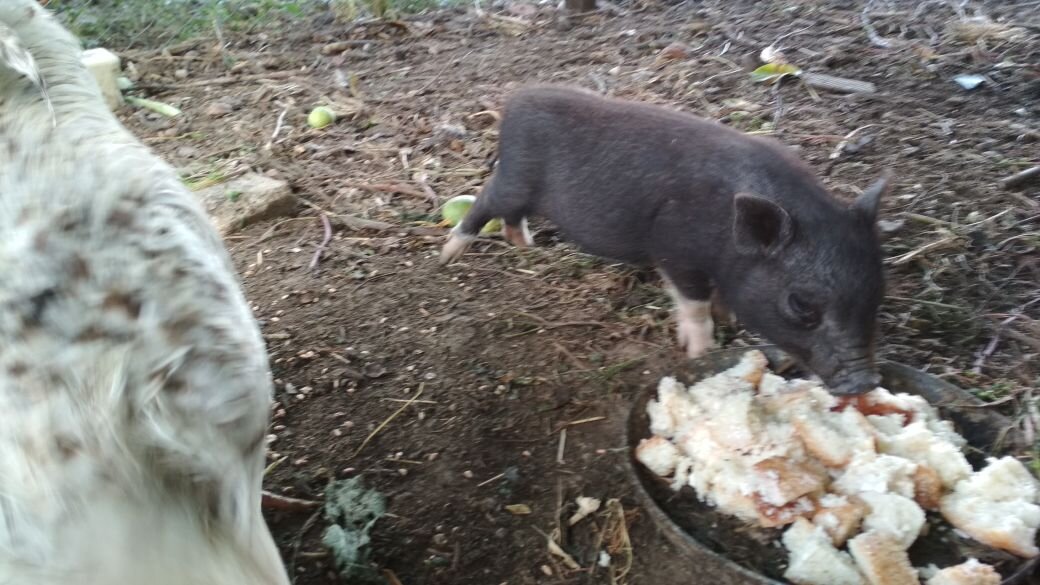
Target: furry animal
{"type": "Point", "coordinates": [134, 384]}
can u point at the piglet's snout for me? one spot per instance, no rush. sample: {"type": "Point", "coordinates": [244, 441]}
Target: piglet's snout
{"type": "Point", "coordinates": [856, 376]}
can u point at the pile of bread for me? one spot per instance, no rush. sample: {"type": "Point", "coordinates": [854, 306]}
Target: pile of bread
{"type": "Point", "coordinates": [839, 473]}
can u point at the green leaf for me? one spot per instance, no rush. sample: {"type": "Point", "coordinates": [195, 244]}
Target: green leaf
{"type": "Point", "coordinates": [774, 71]}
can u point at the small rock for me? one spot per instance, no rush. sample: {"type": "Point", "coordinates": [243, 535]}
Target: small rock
{"type": "Point", "coordinates": [181, 74]}
{"type": "Point", "coordinates": [374, 370]}
{"type": "Point", "coordinates": [969, 82]}
{"type": "Point", "coordinates": [218, 109]}
{"type": "Point", "coordinates": [890, 226]}
{"type": "Point", "coordinates": [521, 10]}
{"type": "Point", "coordinates": [467, 474]}
{"type": "Point", "coordinates": [259, 198]}
{"type": "Point", "coordinates": [672, 52]}
{"type": "Point", "coordinates": [440, 539]}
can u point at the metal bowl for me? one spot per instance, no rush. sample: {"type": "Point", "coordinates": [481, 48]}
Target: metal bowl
{"type": "Point", "coordinates": [720, 549]}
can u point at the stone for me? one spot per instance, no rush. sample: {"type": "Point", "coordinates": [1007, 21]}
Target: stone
{"type": "Point", "coordinates": [245, 200]}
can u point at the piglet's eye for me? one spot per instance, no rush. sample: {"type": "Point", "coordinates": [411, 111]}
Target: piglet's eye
{"type": "Point", "coordinates": [802, 309]}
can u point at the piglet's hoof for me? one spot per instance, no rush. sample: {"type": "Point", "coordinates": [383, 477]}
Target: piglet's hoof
{"type": "Point", "coordinates": [697, 336]}
{"type": "Point", "coordinates": [454, 248]}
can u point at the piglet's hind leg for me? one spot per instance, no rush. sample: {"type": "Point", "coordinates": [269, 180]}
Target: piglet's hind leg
{"type": "Point", "coordinates": [518, 234]}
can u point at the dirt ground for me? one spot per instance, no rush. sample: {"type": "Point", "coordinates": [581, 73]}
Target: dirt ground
{"type": "Point", "coordinates": [505, 379]}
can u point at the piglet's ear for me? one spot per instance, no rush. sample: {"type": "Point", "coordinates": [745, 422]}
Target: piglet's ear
{"type": "Point", "coordinates": [867, 204]}
{"type": "Point", "coordinates": [760, 226]}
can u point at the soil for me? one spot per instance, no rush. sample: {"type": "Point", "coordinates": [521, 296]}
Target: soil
{"type": "Point", "coordinates": [506, 379]}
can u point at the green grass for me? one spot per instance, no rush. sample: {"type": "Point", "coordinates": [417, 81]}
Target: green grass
{"type": "Point", "coordinates": [119, 24]}
{"type": "Point", "coordinates": [152, 23]}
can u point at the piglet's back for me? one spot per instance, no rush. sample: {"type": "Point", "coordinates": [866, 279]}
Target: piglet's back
{"type": "Point", "coordinates": [567, 128]}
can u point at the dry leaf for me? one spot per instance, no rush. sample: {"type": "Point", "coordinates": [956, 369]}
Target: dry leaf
{"type": "Point", "coordinates": [518, 509]}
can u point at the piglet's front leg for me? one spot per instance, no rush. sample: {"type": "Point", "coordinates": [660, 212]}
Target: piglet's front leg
{"type": "Point", "coordinates": [694, 322]}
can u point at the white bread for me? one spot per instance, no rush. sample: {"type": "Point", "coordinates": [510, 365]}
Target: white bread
{"type": "Point", "coordinates": [840, 517]}
{"type": "Point", "coordinates": [834, 438]}
{"type": "Point", "coordinates": [882, 474]}
{"type": "Point", "coordinates": [733, 423]}
{"type": "Point", "coordinates": [997, 506]}
{"type": "Point", "coordinates": [779, 480]}
{"type": "Point", "coordinates": [895, 516]}
{"type": "Point", "coordinates": [658, 454]}
{"type": "Point", "coordinates": [882, 560]}
{"type": "Point", "coordinates": [775, 452]}
{"type": "Point", "coordinates": [751, 368]}
{"type": "Point", "coordinates": [673, 410]}
{"type": "Point", "coordinates": [776, 516]}
{"type": "Point", "coordinates": [919, 444]}
{"type": "Point", "coordinates": [928, 487]}
{"type": "Point", "coordinates": [970, 572]}
{"type": "Point", "coordinates": [881, 401]}
{"type": "Point", "coordinates": [683, 469]}
{"type": "Point", "coordinates": [771, 385]}
{"type": "Point", "coordinates": [813, 560]}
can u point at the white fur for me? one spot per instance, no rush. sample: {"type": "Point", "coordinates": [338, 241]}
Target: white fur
{"type": "Point", "coordinates": [526, 231]}
{"type": "Point", "coordinates": [131, 446]}
{"type": "Point", "coordinates": [696, 328]}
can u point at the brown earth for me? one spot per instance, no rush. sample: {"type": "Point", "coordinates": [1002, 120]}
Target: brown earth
{"type": "Point", "coordinates": [505, 379]}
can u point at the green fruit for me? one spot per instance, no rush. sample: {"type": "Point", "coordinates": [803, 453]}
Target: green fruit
{"type": "Point", "coordinates": [321, 117]}
{"type": "Point", "coordinates": [457, 207]}
{"type": "Point", "coordinates": [492, 226]}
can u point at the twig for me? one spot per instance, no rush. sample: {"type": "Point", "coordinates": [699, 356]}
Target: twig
{"type": "Point", "coordinates": [278, 124]}
{"type": "Point", "coordinates": [487, 481]}
{"type": "Point", "coordinates": [1032, 412]}
{"type": "Point", "coordinates": [390, 188]}
{"type": "Point", "coordinates": [275, 464]}
{"type": "Point", "coordinates": [945, 242]}
{"type": "Point", "coordinates": [837, 84]}
{"type": "Point", "coordinates": [441, 72]}
{"type": "Point", "coordinates": [845, 141]}
{"type": "Point", "coordinates": [1026, 339]}
{"type": "Point", "coordinates": [324, 242]}
{"type": "Point", "coordinates": [925, 218]}
{"type": "Point", "coordinates": [359, 223]}
{"type": "Point", "coordinates": [872, 34]}
{"type": "Point", "coordinates": [226, 80]}
{"type": "Point", "coordinates": [998, 402]}
{"type": "Point", "coordinates": [556, 325]}
{"type": "Point", "coordinates": [556, 550]}
{"type": "Point", "coordinates": [299, 541]}
{"type": "Point", "coordinates": [924, 302]}
{"type": "Point", "coordinates": [586, 420]}
{"type": "Point", "coordinates": [574, 360]}
{"type": "Point", "coordinates": [387, 421]}
{"type": "Point", "coordinates": [1021, 178]}
{"type": "Point", "coordinates": [275, 502]}
{"type": "Point", "coordinates": [391, 577]}
{"type": "Point", "coordinates": [562, 446]}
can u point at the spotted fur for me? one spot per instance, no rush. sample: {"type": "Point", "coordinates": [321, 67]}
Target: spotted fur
{"type": "Point", "coordinates": [134, 383]}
